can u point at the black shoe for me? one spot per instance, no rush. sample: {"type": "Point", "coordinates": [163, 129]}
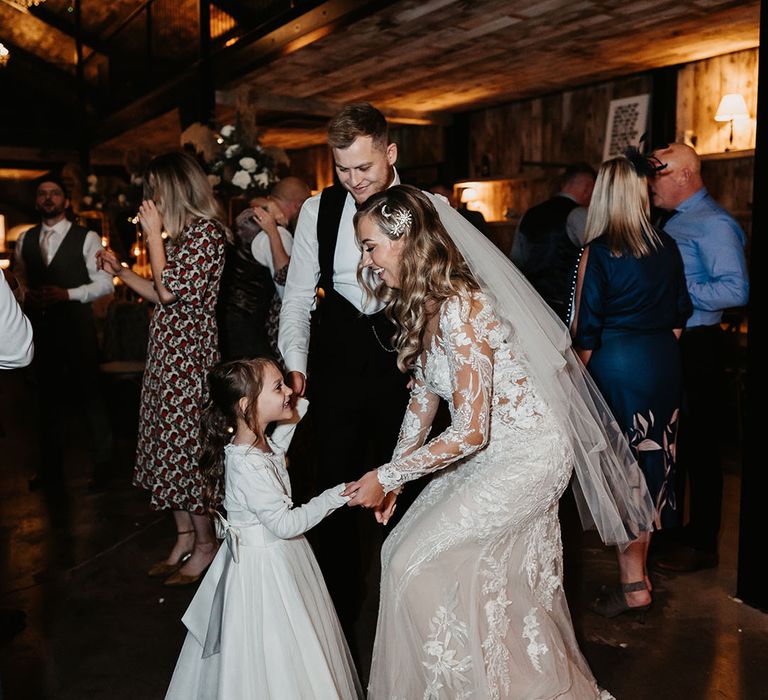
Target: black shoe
{"type": "Point", "coordinates": [684, 559]}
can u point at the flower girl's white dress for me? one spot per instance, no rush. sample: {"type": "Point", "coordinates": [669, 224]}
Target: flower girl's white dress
{"type": "Point", "coordinates": [262, 625]}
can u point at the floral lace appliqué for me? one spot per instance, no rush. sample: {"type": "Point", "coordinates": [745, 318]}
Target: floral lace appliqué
{"type": "Point", "coordinates": [446, 664]}
{"type": "Point", "coordinates": [530, 632]}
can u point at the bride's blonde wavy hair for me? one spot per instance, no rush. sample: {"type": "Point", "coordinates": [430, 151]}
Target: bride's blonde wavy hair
{"type": "Point", "coordinates": [431, 267]}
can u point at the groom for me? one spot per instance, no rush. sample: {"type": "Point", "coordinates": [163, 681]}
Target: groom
{"type": "Point", "coordinates": [337, 346]}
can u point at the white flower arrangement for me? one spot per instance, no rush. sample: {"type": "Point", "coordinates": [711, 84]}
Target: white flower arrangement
{"type": "Point", "coordinates": [242, 179]}
{"type": "Point", "coordinates": [248, 164]}
{"type": "Point", "coordinates": [240, 169]}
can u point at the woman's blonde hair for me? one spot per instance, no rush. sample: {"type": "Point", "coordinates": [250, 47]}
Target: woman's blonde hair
{"type": "Point", "coordinates": [620, 210]}
{"type": "Point", "coordinates": [180, 190]}
{"type": "Point", "coordinates": [431, 267]}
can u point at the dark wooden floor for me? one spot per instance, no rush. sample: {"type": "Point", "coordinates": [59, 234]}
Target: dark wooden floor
{"type": "Point", "coordinates": [98, 628]}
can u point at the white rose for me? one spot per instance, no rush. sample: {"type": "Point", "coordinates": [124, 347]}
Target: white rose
{"type": "Point", "coordinates": [262, 180]}
{"type": "Point", "coordinates": [231, 150]}
{"type": "Point", "coordinates": [242, 180]}
{"type": "Point", "coordinates": [214, 180]}
{"type": "Point", "coordinates": [227, 130]}
{"type": "Point", "coordinates": [248, 163]}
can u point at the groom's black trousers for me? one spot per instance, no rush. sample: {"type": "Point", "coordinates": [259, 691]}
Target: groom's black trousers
{"type": "Point", "coordinates": [357, 402]}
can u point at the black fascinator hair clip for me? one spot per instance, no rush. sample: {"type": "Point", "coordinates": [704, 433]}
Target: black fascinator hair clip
{"type": "Point", "coordinates": [643, 165]}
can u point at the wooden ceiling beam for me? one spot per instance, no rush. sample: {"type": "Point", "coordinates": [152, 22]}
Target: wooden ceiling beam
{"type": "Point", "coordinates": [261, 102]}
{"type": "Point", "coordinates": [256, 48]}
{"type": "Point", "coordinates": [60, 81]}
{"type": "Point", "coordinates": [241, 13]}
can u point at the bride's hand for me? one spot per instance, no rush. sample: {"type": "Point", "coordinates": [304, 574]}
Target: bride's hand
{"type": "Point", "coordinates": [384, 512]}
{"type": "Point", "coordinates": [366, 492]}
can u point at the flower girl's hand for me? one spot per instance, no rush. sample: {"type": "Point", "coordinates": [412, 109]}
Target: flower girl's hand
{"type": "Point", "coordinates": [366, 492]}
{"type": "Point", "coordinates": [384, 512]}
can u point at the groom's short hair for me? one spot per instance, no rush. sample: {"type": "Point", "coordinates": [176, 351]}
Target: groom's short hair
{"type": "Point", "coordinates": [358, 119]}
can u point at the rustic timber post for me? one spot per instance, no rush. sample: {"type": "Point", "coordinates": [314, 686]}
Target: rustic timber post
{"type": "Point", "coordinates": [751, 585]}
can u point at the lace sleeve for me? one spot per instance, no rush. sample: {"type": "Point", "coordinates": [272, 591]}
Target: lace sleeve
{"type": "Point", "coordinates": [470, 358]}
{"type": "Point", "coordinates": [416, 422]}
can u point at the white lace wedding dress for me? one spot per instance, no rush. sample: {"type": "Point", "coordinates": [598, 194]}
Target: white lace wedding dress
{"type": "Point", "coordinates": [472, 603]}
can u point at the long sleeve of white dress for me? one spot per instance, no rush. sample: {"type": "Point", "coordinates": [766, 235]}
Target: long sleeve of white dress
{"type": "Point", "coordinates": [259, 488]}
{"type": "Point", "coordinates": [464, 337]}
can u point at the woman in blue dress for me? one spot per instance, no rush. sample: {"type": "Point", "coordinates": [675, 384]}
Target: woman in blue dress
{"type": "Point", "coordinates": [631, 307]}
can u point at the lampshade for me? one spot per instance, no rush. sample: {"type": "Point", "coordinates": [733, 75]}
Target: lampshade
{"type": "Point", "coordinates": [732, 106]}
{"type": "Point", "coordinates": [468, 194]}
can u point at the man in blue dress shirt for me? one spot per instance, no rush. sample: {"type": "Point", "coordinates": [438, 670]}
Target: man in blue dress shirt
{"type": "Point", "coordinates": [711, 243]}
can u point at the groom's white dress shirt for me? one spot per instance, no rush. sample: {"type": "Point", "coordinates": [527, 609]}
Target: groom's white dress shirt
{"type": "Point", "coordinates": [304, 275]}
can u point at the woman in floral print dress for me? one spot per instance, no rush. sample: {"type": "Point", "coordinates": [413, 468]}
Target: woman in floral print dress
{"type": "Point", "coordinates": [183, 346]}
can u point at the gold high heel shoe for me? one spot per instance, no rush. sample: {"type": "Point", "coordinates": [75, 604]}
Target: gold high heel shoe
{"type": "Point", "coordinates": [162, 568]}
{"type": "Point", "coordinates": [177, 579]}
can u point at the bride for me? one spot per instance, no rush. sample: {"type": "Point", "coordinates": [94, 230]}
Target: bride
{"type": "Point", "coordinates": [472, 603]}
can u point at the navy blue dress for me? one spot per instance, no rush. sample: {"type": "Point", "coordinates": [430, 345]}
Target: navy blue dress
{"type": "Point", "coordinates": [627, 310]}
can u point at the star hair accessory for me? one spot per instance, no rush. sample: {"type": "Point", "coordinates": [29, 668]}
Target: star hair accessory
{"type": "Point", "coordinates": [398, 221]}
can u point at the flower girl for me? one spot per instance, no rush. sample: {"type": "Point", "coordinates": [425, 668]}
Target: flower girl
{"type": "Point", "coordinates": [262, 624]}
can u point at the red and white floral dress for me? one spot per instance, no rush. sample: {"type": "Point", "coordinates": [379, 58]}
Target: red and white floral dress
{"type": "Point", "coordinates": [183, 346]}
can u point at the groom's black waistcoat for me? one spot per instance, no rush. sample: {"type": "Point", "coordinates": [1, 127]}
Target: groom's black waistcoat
{"type": "Point", "coordinates": [337, 321]}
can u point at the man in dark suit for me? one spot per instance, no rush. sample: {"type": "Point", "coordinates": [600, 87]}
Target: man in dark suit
{"type": "Point", "coordinates": [55, 263]}
{"type": "Point", "coordinates": [550, 236]}
{"type": "Point", "coordinates": [351, 346]}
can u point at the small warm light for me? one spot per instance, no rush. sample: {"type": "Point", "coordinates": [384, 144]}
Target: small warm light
{"type": "Point", "coordinates": [164, 234]}
{"type": "Point", "coordinates": [219, 140]}
{"type": "Point", "coordinates": [5, 56]}
{"type": "Point", "coordinates": [104, 242]}
{"type": "Point", "coordinates": [732, 106]}
{"type": "Point", "coordinates": [231, 42]}
{"type": "Point", "coordinates": [469, 194]}
{"type": "Point", "coordinates": [136, 252]}
{"type": "Point", "coordinates": [124, 264]}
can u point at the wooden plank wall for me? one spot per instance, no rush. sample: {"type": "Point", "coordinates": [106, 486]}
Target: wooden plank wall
{"type": "Point", "coordinates": [700, 86]}
{"type": "Point", "coordinates": [313, 165]}
{"type": "Point", "coordinates": [730, 181]}
{"type": "Point", "coordinates": [563, 127]}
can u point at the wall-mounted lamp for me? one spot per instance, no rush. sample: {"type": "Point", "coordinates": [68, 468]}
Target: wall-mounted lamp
{"type": "Point", "coordinates": [732, 107]}
{"type": "Point", "coordinates": [468, 194]}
